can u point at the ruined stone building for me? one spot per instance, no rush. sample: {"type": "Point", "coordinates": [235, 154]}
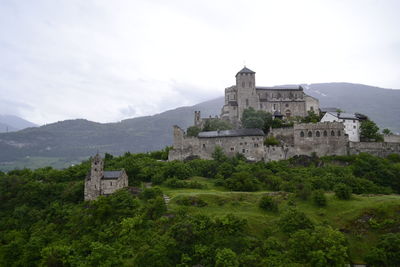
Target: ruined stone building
{"type": "Point", "coordinates": [99, 182]}
{"type": "Point", "coordinates": [286, 101]}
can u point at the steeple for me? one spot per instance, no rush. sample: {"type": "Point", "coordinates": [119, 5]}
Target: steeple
{"type": "Point", "coordinates": [244, 71]}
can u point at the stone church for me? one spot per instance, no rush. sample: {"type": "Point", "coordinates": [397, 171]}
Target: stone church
{"type": "Point", "coordinates": [280, 101]}
{"type": "Point", "coordinates": [101, 183]}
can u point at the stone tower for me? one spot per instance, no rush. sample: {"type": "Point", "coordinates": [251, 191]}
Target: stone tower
{"type": "Point", "coordinates": [197, 119]}
{"type": "Point", "coordinates": [246, 91]}
{"type": "Point", "coordinates": [93, 181]}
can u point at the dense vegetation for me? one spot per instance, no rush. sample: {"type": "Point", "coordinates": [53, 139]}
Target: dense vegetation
{"type": "Point", "coordinates": [288, 215]}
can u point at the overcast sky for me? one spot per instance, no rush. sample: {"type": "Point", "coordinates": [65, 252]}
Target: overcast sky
{"type": "Point", "coordinates": [106, 60]}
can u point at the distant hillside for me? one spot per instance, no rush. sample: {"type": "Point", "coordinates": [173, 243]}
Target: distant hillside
{"type": "Point", "coordinates": [75, 139]}
{"type": "Point", "coordinates": [11, 123]}
{"type": "Point", "coordinates": [381, 105]}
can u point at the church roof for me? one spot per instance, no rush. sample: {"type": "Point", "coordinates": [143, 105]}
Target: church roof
{"type": "Point", "coordinates": [232, 133]}
{"type": "Point", "coordinates": [245, 70]}
{"type": "Point", "coordinates": [282, 87]}
{"type": "Point", "coordinates": [112, 174]}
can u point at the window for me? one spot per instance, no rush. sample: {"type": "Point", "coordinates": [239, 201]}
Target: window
{"type": "Point", "coordinates": [247, 102]}
{"type": "Point", "coordinates": [274, 106]}
{"type": "Point", "coordinates": [95, 169]}
{"type": "Point", "coordinates": [232, 148]}
{"type": "Point", "coordinates": [287, 105]}
{"type": "Point", "coordinates": [354, 121]}
{"type": "Point", "coordinates": [111, 183]}
{"type": "Point", "coordinates": [261, 106]}
{"type": "Point", "coordinates": [354, 127]}
{"type": "Point", "coordinates": [245, 143]}
{"type": "Point", "coordinates": [312, 108]}
{"type": "Point", "coordinates": [325, 133]}
{"type": "Point", "coordinates": [243, 150]}
{"type": "Point", "coordinates": [309, 134]}
{"type": "Point", "coordinates": [279, 95]}
{"type": "Point", "coordinates": [255, 145]}
{"type": "Point", "coordinates": [332, 133]}
{"type": "Point", "coordinates": [301, 134]}
{"type": "Point", "coordinates": [338, 133]}
{"type": "Point", "coordinates": [204, 145]}
{"type": "Point", "coordinates": [317, 134]}
{"type": "Point", "coordinates": [253, 138]}
{"type": "Point", "coordinates": [241, 144]}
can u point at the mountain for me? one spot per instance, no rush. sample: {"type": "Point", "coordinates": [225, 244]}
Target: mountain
{"type": "Point", "coordinates": [381, 105]}
{"type": "Point", "coordinates": [11, 123]}
{"type": "Point", "coordinates": [76, 139]}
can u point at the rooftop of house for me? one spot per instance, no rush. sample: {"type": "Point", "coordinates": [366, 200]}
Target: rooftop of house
{"type": "Point", "coordinates": [231, 133]}
{"type": "Point", "coordinates": [342, 115]}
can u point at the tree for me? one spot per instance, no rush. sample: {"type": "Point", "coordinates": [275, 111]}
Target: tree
{"type": "Point", "coordinates": [312, 117]}
{"type": "Point", "coordinates": [215, 124]}
{"type": "Point", "coordinates": [386, 252]}
{"type": "Point", "coordinates": [193, 131]}
{"type": "Point", "coordinates": [268, 203]}
{"type": "Point", "coordinates": [318, 197]}
{"type": "Point", "coordinates": [293, 220]}
{"type": "Point", "coordinates": [370, 131]}
{"type": "Point", "coordinates": [386, 131]}
{"type": "Point", "coordinates": [218, 154]}
{"type": "Point", "coordinates": [226, 258]}
{"type": "Point", "coordinates": [342, 191]}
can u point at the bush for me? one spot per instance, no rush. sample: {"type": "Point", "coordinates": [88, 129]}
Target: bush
{"type": "Point", "coordinates": [271, 141]}
{"type": "Point", "coordinates": [318, 197]}
{"type": "Point", "coordinates": [242, 181]}
{"type": "Point", "coordinates": [268, 203]}
{"type": "Point", "coordinates": [387, 251]}
{"type": "Point", "coordinates": [293, 220]}
{"type": "Point", "coordinates": [342, 191]}
{"type": "Point", "coordinates": [175, 183]}
{"type": "Point", "coordinates": [191, 201]}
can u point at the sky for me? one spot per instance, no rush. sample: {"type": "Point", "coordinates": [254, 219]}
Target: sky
{"type": "Point", "coordinates": [106, 60]}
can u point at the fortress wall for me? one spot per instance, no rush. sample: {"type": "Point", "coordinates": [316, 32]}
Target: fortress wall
{"type": "Point", "coordinates": [273, 153]}
{"type": "Point", "coordinates": [323, 138]}
{"type": "Point", "coordinates": [392, 138]}
{"type": "Point", "coordinates": [381, 149]}
{"type": "Point", "coordinates": [285, 135]}
{"type": "Point", "coordinates": [250, 146]}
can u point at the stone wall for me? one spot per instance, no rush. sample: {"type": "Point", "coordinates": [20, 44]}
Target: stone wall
{"type": "Point", "coordinates": [323, 138]}
{"type": "Point", "coordinates": [109, 186]}
{"type": "Point", "coordinates": [284, 135]}
{"type": "Point", "coordinates": [380, 149]}
{"type": "Point", "coordinates": [391, 138]}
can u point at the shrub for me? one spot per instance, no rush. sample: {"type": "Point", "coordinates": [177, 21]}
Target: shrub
{"type": "Point", "coordinates": [191, 201]}
{"type": "Point", "coordinates": [293, 220]}
{"type": "Point", "coordinates": [386, 252]}
{"type": "Point", "coordinates": [268, 203]}
{"type": "Point", "coordinates": [271, 141]}
{"type": "Point", "coordinates": [175, 183]}
{"type": "Point", "coordinates": [242, 181]}
{"type": "Point", "coordinates": [318, 197]}
{"type": "Point", "coordinates": [342, 191]}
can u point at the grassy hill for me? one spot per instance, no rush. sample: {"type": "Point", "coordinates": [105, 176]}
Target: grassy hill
{"type": "Point", "coordinates": [362, 219]}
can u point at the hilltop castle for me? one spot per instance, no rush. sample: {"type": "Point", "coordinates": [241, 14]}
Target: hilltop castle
{"type": "Point", "coordinates": [336, 133]}
{"type": "Point", "coordinates": [280, 101]}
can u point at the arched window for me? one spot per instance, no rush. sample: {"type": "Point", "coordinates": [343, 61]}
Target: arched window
{"type": "Point", "coordinates": [279, 95]}
{"type": "Point", "coordinates": [301, 134]}
{"type": "Point", "coordinates": [309, 134]}
{"type": "Point", "coordinates": [287, 105]}
{"type": "Point", "coordinates": [317, 134]}
{"type": "Point", "coordinates": [325, 133]}
{"type": "Point", "coordinates": [338, 133]}
{"type": "Point", "coordinates": [332, 133]}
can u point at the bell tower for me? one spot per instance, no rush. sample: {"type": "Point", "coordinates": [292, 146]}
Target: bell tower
{"type": "Point", "coordinates": [246, 90]}
{"type": "Point", "coordinates": [93, 181]}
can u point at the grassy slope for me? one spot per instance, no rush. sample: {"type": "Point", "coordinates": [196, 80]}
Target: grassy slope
{"type": "Point", "coordinates": [353, 217]}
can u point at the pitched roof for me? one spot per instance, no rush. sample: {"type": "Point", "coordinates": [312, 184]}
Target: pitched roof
{"type": "Point", "coordinates": [112, 174]}
{"type": "Point", "coordinates": [245, 70]}
{"type": "Point", "coordinates": [348, 116]}
{"type": "Point", "coordinates": [232, 133]}
{"type": "Point", "coordinates": [283, 87]}
{"type": "Point", "coordinates": [329, 109]}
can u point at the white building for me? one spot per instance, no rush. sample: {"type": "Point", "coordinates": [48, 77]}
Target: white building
{"type": "Point", "coordinates": [350, 121]}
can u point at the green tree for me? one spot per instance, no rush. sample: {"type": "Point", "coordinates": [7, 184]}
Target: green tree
{"type": "Point", "coordinates": [226, 258]}
{"type": "Point", "coordinates": [318, 197]}
{"type": "Point", "coordinates": [342, 191]}
{"type": "Point", "coordinates": [370, 131]}
{"type": "Point", "coordinates": [293, 220]}
{"type": "Point", "coordinates": [386, 253]}
{"type": "Point", "coordinates": [219, 155]}
{"type": "Point", "coordinates": [312, 117]}
{"type": "Point", "coordinates": [268, 203]}
{"type": "Point", "coordinates": [193, 131]}
{"type": "Point", "coordinates": [387, 131]}
{"type": "Point", "coordinates": [216, 124]}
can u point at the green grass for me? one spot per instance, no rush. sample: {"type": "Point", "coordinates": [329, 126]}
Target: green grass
{"type": "Point", "coordinates": [340, 214]}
